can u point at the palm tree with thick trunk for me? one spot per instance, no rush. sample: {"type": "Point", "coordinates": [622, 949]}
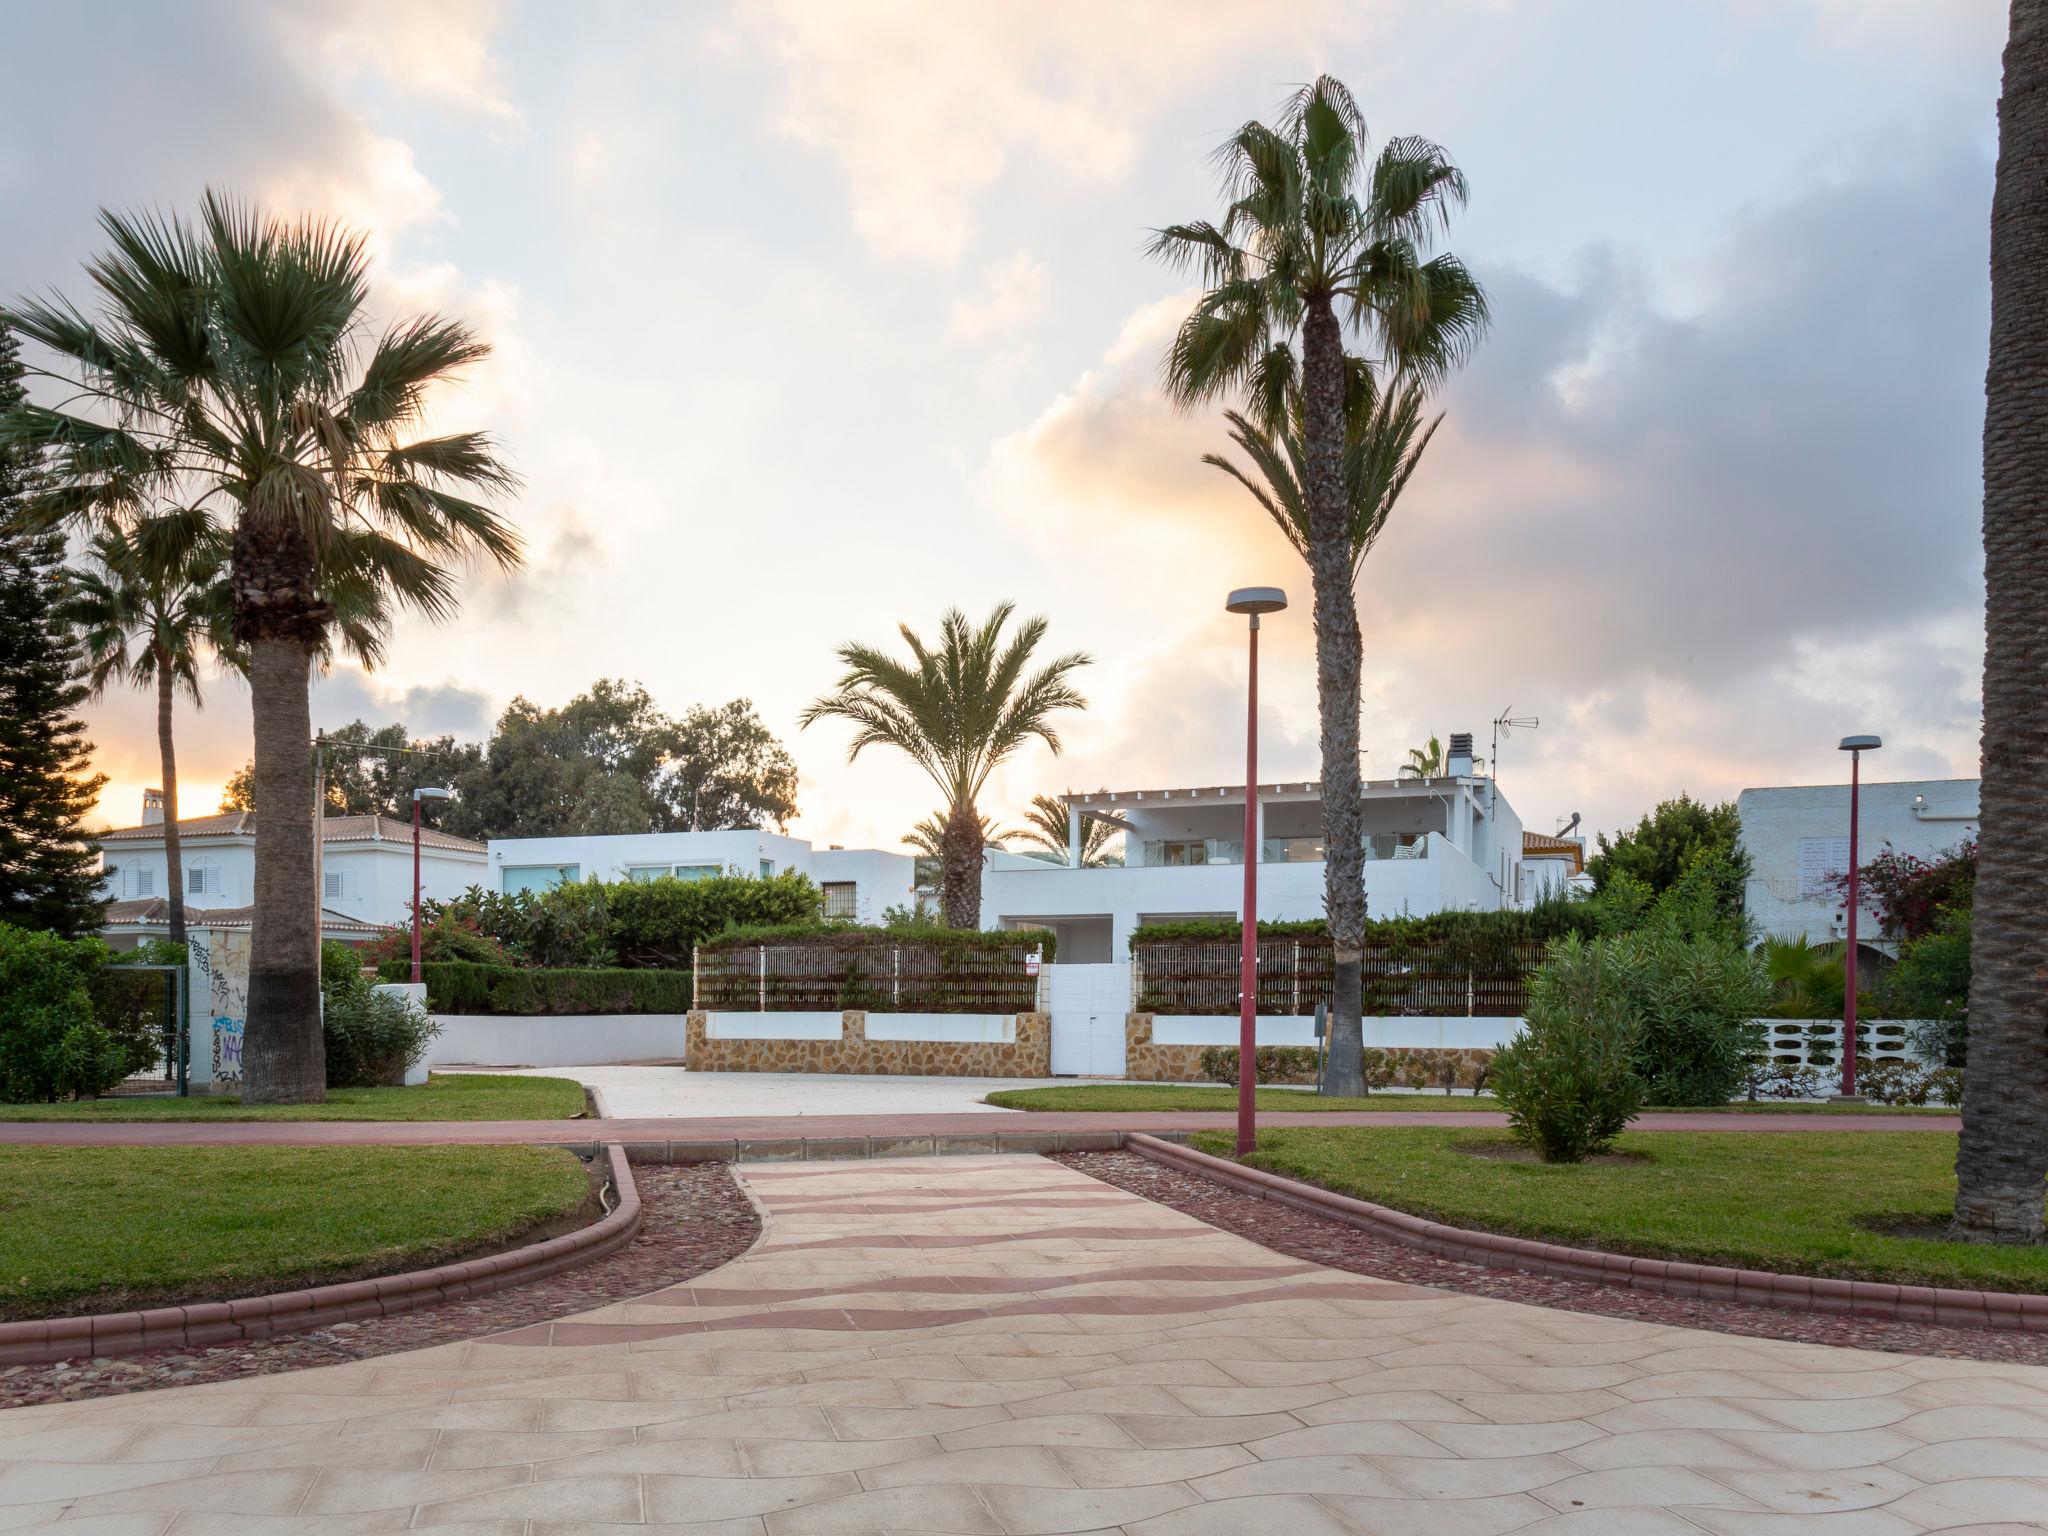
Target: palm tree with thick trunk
{"type": "Point", "coordinates": [959, 710]}
{"type": "Point", "coordinates": [146, 603]}
{"type": "Point", "coordinates": [230, 368]}
{"type": "Point", "coordinates": [1316, 241]}
{"type": "Point", "coordinates": [2002, 1160]}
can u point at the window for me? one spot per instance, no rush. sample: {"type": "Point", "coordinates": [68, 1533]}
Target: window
{"type": "Point", "coordinates": [202, 878]}
{"type": "Point", "coordinates": [537, 877]}
{"type": "Point", "coordinates": [645, 872]}
{"type": "Point", "coordinates": [142, 880]}
{"type": "Point", "coordinates": [839, 898]}
{"type": "Point", "coordinates": [337, 885]}
{"type": "Point", "coordinates": [667, 871]}
{"type": "Point", "coordinates": [767, 868]}
{"type": "Point", "coordinates": [698, 871]}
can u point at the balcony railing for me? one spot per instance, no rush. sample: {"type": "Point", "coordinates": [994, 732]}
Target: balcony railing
{"type": "Point", "coordinates": [1183, 852]}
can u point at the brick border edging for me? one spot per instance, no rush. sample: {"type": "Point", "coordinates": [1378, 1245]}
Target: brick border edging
{"type": "Point", "coordinates": [40, 1341]}
{"type": "Point", "coordinates": [1671, 1277]}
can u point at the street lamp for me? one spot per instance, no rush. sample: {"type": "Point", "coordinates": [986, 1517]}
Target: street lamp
{"type": "Point", "coordinates": [419, 794]}
{"type": "Point", "coordinates": [1250, 601]}
{"type": "Point", "coordinates": [1855, 746]}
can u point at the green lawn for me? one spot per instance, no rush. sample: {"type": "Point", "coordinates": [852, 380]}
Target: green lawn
{"type": "Point", "coordinates": [1122, 1098]}
{"type": "Point", "coordinates": [450, 1096]}
{"type": "Point", "coordinates": [97, 1228]}
{"type": "Point", "coordinates": [1792, 1201]}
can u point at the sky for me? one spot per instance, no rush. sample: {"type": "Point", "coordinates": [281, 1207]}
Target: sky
{"type": "Point", "coordinates": [809, 320]}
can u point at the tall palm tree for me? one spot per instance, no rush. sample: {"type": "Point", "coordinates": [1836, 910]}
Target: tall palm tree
{"type": "Point", "coordinates": [958, 709]}
{"type": "Point", "coordinates": [928, 840]}
{"type": "Point", "coordinates": [2003, 1157]}
{"type": "Point", "coordinates": [1314, 241]}
{"type": "Point", "coordinates": [1424, 762]}
{"type": "Point", "coordinates": [230, 368]}
{"type": "Point", "coordinates": [145, 605]}
{"type": "Point", "coordinates": [1045, 826]}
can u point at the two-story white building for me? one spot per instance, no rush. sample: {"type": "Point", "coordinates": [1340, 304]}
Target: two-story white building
{"type": "Point", "coordinates": [1431, 845]}
{"type": "Point", "coordinates": [859, 883]}
{"type": "Point", "coordinates": [1797, 838]}
{"type": "Point", "coordinates": [365, 873]}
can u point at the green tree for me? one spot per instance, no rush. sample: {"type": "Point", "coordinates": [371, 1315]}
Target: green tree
{"type": "Point", "coordinates": [1045, 828]}
{"type": "Point", "coordinates": [1317, 239]}
{"type": "Point", "coordinates": [146, 604]}
{"type": "Point", "coordinates": [229, 368]}
{"type": "Point", "coordinates": [49, 872]}
{"type": "Point", "coordinates": [928, 841]}
{"type": "Point", "coordinates": [1424, 762]}
{"type": "Point", "coordinates": [724, 769]}
{"type": "Point", "coordinates": [958, 710]}
{"type": "Point", "coordinates": [1666, 841]}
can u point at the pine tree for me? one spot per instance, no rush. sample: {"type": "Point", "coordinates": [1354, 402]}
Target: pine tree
{"type": "Point", "coordinates": [48, 868]}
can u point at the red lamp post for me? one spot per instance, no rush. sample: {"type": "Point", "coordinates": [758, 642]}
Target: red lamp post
{"type": "Point", "coordinates": [1250, 601]}
{"type": "Point", "coordinates": [1855, 746]}
{"type": "Point", "coordinates": [419, 794]}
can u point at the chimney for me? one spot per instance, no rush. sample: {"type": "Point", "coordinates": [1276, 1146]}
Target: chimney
{"type": "Point", "coordinates": [1458, 759]}
{"type": "Point", "coordinates": [152, 807]}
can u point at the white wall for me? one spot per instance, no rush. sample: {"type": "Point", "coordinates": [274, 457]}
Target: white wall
{"type": "Point", "coordinates": [1807, 826]}
{"type": "Point", "coordinates": [566, 1040]}
{"type": "Point", "coordinates": [376, 877]}
{"type": "Point", "coordinates": [1000, 1028]}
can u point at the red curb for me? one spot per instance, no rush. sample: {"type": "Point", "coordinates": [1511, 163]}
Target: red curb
{"type": "Point", "coordinates": [39, 1341]}
{"type": "Point", "coordinates": [1753, 1287]}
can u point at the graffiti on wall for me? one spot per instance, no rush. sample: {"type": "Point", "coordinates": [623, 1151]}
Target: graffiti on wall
{"type": "Point", "coordinates": [220, 985]}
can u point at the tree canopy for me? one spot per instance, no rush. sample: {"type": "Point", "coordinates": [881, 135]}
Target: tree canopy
{"type": "Point", "coordinates": [1665, 842]}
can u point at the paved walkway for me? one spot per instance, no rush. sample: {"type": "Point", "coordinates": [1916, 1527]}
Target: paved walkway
{"type": "Point", "coordinates": [782, 1127]}
{"type": "Point", "coordinates": [1003, 1345]}
{"type": "Point", "coordinates": [671, 1093]}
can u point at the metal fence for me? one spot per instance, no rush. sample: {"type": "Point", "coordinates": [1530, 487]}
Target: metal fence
{"type": "Point", "coordinates": [144, 1007]}
{"type": "Point", "coordinates": [810, 976]}
{"type": "Point", "coordinates": [1201, 977]}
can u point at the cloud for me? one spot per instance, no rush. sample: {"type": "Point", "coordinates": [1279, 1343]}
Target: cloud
{"type": "Point", "coordinates": [923, 105]}
{"type": "Point", "coordinates": [1700, 548]}
{"type": "Point", "coordinates": [440, 51]}
{"type": "Point", "coordinates": [1013, 293]}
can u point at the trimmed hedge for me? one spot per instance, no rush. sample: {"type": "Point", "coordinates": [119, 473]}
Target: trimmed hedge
{"type": "Point", "coordinates": [861, 936]}
{"type": "Point", "coordinates": [816, 967]}
{"type": "Point", "coordinates": [456, 986]}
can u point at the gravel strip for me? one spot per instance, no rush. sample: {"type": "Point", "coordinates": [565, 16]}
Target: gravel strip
{"type": "Point", "coordinates": [694, 1218]}
{"type": "Point", "coordinates": [1306, 1235]}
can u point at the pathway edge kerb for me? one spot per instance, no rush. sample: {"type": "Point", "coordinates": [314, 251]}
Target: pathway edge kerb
{"type": "Point", "coordinates": [39, 1341]}
{"type": "Point", "coordinates": [1763, 1288]}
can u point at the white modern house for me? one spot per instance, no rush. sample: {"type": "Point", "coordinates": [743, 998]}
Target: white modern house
{"type": "Point", "coordinates": [365, 873]}
{"type": "Point", "coordinates": [1431, 845]}
{"type": "Point", "coordinates": [858, 883]}
{"type": "Point", "coordinates": [1797, 838]}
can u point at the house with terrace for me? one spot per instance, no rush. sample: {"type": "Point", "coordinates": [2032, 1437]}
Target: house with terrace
{"type": "Point", "coordinates": [1451, 843]}
{"type": "Point", "coordinates": [365, 873]}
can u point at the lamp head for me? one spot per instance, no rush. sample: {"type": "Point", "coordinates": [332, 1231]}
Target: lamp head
{"type": "Point", "coordinates": [1861, 743]}
{"type": "Point", "coordinates": [1256, 600]}
{"type": "Point", "coordinates": [426, 792]}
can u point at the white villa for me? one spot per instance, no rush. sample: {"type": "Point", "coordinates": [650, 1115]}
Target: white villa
{"type": "Point", "coordinates": [1432, 845]}
{"type": "Point", "coordinates": [365, 873]}
{"type": "Point", "coordinates": [1797, 838]}
{"type": "Point", "coordinates": [858, 883]}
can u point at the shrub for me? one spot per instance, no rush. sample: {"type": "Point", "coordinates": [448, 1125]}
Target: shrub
{"type": "Point", "coordinates": [1909, 1082]}
{"type": "Point", "coordinates": [1931, 984]}
{"type": "Point", "coordinates": [1568, 1081]}
{"type": "Point", "coordinates": [455, 987]}
{"type": "Point", "coordinates": [1287, 1064]}
{"type": "Point", "coordinates": [445, 934]}
{"type": "Point", "coordinates": [1788, 1080]}
{"type": "Point", "coordinates": [1378, 1067]}
{"type": "Point", "coordinates": [50, 1044]}
{"type": "Point", "coordinates": [139, 1008]}
{"type": "Point", "coordinates": [372, 1037]}
{"type": "Point", "coordinates": [1697, 999]}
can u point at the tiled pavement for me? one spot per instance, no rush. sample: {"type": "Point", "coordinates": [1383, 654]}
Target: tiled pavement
{"type": "Point", "coordinates": [1004, 1345]}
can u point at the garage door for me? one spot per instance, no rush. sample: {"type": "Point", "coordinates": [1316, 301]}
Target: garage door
{"type": "Point", "coordinates": [1089, 1003]}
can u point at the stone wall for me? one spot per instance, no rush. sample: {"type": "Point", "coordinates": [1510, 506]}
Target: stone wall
{"type": "Point", "coordinates": [1029, 1054]}
{"type": "Point", "coordinates": [1147, 1062]}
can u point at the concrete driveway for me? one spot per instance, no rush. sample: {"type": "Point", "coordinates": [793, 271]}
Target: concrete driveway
{"type": "Point", "coordinates": [669, 1092]}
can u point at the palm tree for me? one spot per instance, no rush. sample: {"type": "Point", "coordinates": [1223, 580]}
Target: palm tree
{"type": "Point", "coordinates": [928, 840]}
{"type": "Point", "coordinates": [1314, 241]}
{"type": "Point", "coordinates": [145, 605]}
{"type": "Point", "coordinates": [1045, 826]}
{"type": "Point", "coordinates": [2003, 1157]}
{"type": "Point", "coordinates": [230, 369]}
{"type": "Point", "coordinates": [1424, 762]}
{"type": "Point", "coordinates": [958, 710]}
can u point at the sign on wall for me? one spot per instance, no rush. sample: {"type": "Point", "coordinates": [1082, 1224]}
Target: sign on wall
{"type": "Point", "coordinates": [220, 994]}
{"type": "Point", "coordinates": [1822, 861]}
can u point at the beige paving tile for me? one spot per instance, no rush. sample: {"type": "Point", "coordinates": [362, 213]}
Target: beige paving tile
{"type": "Point", "coordinates": [1441, 1517]}
{"type": "Point", "coordinates": [806, 1458]}
{"type": "Point", "coordinates": [929, 1507]}
{"type": "Point", "coordinates": [1820, 1492]}
{"type": "Point", "coordinates": [1092, 1429]}
{"type": "Point", "coordinates": [1291, 1514]}
{"type": "Point", "coordinates": [1659, 1486]}
{"type": "Point", "coordinates": [1163, 1432]}
{"type": "Point", "coordinates": [1982, 1499]}
{"type": "Point", "coordinates": [1044, 1511]}
{"type": "Point", "coordinates": [570, 1498]}
{"type": "Point", "coordinates": [1029, 1465]}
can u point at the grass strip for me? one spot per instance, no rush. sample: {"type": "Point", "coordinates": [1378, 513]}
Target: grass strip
{"type": "Point", "coordinates": [444, 1096]}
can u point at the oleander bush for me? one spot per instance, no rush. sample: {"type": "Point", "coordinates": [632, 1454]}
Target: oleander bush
{"type": "Point", "coordinates": [372, 1037]}
{"type": "Point", "coordinates": [1568, 1080]}
{"type": "Point", "coordinates": [51, 1045]}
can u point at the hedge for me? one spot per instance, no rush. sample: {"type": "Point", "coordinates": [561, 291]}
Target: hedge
{"type": "Point", "coordinates": [824, 968]}
{"type": "Point", "coordinates": [455, 986]}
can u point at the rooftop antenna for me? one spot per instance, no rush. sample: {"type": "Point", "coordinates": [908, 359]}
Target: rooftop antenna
{"type": "Point", "coordinates": [1570, 826]}
{"type": "Point", "coordinates": [1504, 722]}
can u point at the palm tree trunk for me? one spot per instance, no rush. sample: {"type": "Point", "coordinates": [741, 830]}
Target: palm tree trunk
{"type": "Point", "coordinates": [1337, 670]}
{"type": "Point", "coordinates": [283, 1055]}
{"type": "Point", "coordinates": [960, 867]}
{"type": "Point", "coordinates": [174, 852]}
{"type": "Point", "coordinates": [2002, 1160]}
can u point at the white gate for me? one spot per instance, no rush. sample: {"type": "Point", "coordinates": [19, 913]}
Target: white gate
{"type": "Point", "coordinates": [1088, 1005]}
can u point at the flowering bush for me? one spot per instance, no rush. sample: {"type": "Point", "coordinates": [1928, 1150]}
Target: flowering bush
{"type": "Point", "coordinates": [1910, 894]}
